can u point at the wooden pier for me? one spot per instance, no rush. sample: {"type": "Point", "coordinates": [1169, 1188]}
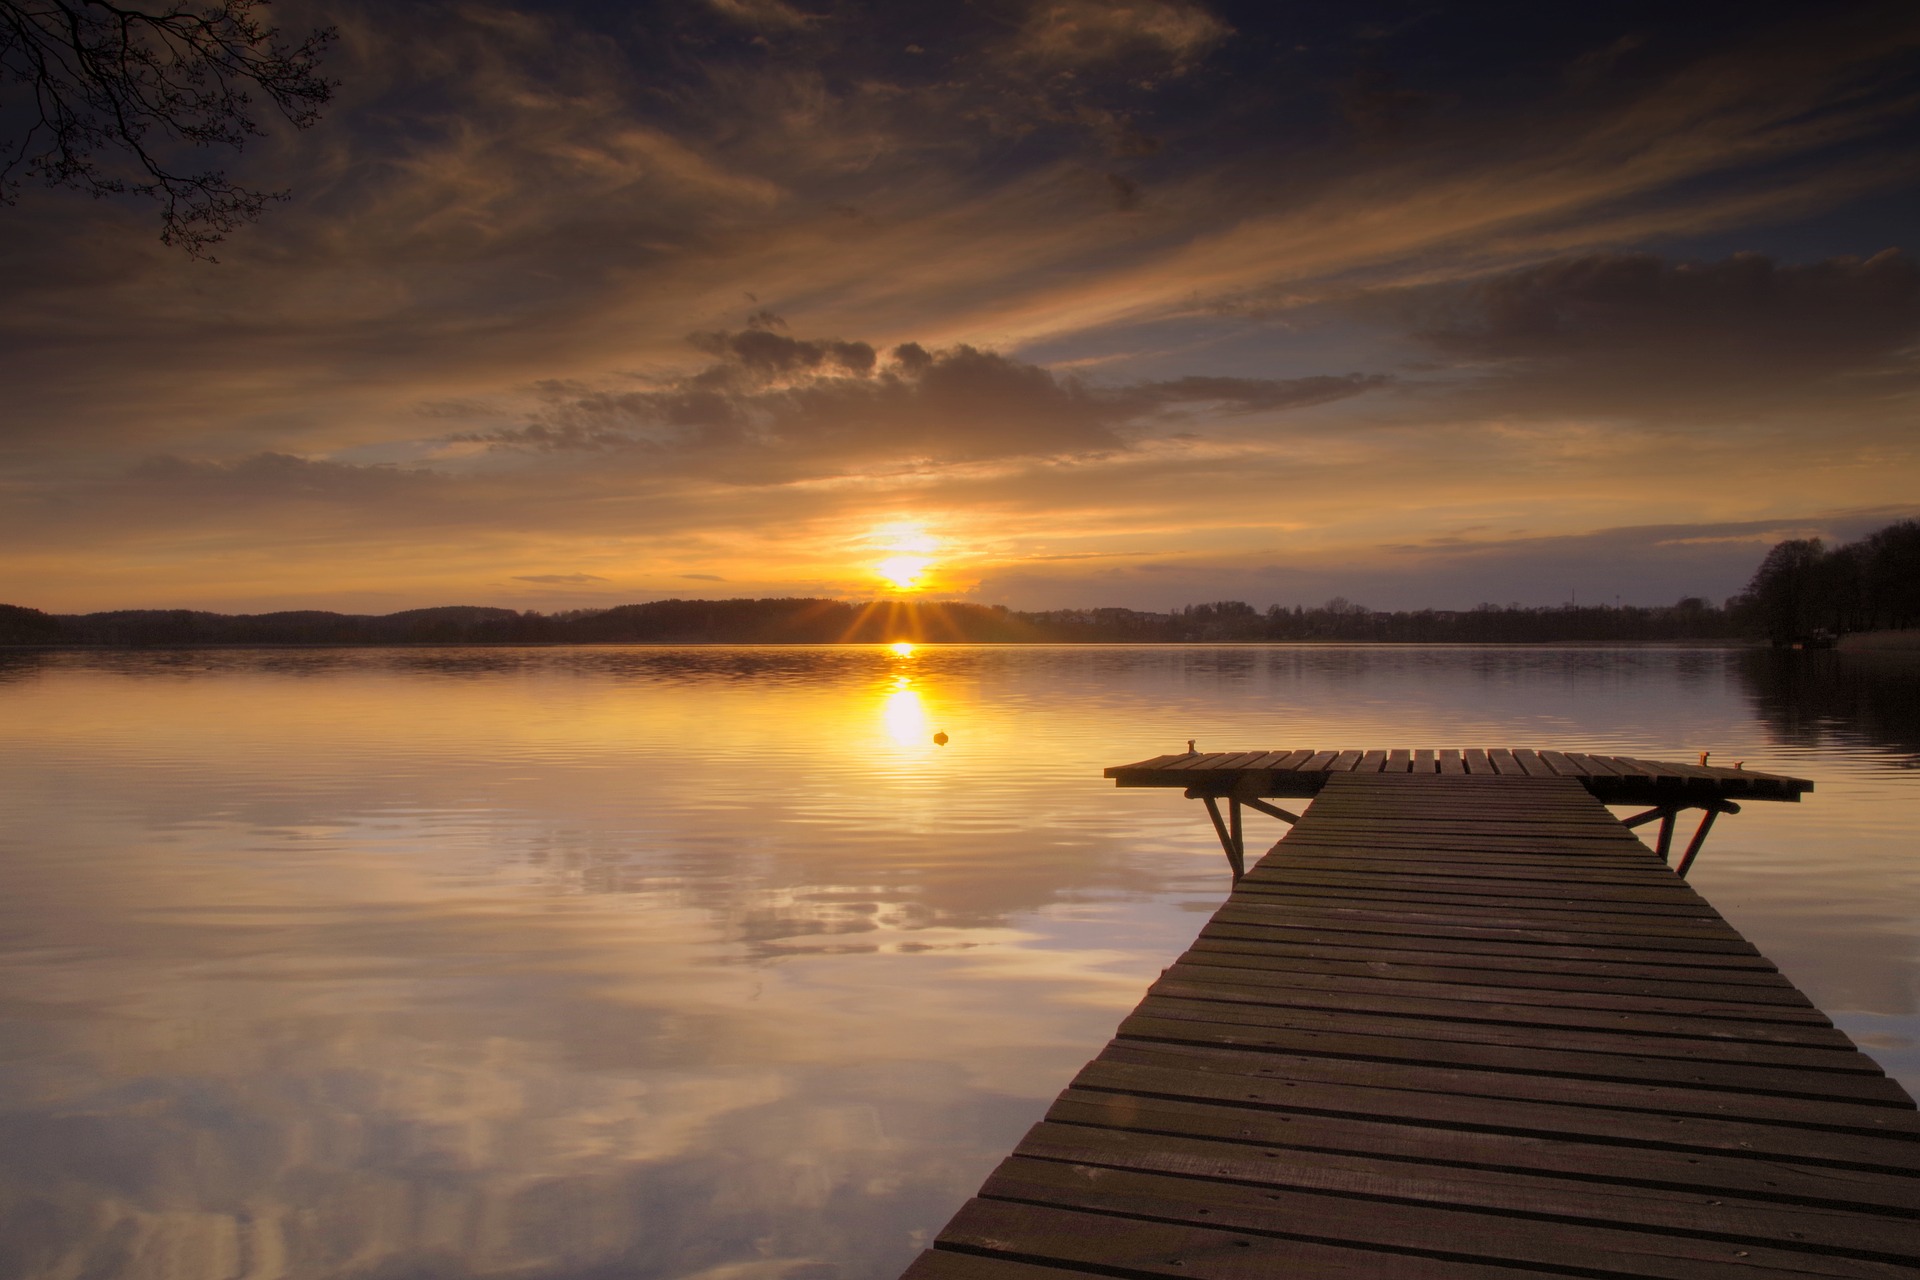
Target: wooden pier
{"type": "Point", "coordinates": [1459, 1022]}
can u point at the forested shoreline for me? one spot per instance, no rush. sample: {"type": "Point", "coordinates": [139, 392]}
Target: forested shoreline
{"type": "Point", "coordinates": [815, 621]}
{"type": "Point", "coordinates": [1807, 590]}
{"type": "Point", "coordinates": [1803, 592]}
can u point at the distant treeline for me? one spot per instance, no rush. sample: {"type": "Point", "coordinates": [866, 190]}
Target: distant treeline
{"type": "Point", "coordinates": [801, 621]}
{"type": "Point", "coordinates": [1801, 591]}
{"type": "Point", "coordinates": [1805, 590]}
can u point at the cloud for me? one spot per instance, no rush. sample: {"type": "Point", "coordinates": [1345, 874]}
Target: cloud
{"type": "Point", "coordinates": [763, 353]}
{"type": "Point", "coordinates": [765, 14]}
{"type": "Point", "coordinates": [571, 579]}
{"type": "Point", "coordinates": [1750, 135]}
{"type": "Point", "coordinates": [1637, 332]}
{"type": "Point", "coordinates": [1748, 308]}
{"type": "Point", "coordinates": [1248, 395]}
{"type": "Point", "coordinates": [704, 577]}
{"type": "Point", "coordinates": [773, 399]}
{"type": "Point", "coordinates": [1079, 33]}
{"type": "Point", "coordinates": [281, 477]}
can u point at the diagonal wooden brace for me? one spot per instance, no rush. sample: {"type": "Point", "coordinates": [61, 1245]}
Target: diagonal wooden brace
{"type": "Point", "coordinates": [1229, 833]}
{"type": "Point", "coordinates": [1228, 827]}
{"type": "Point", "coordinates": [1713, 811]}
{"type": "Point", "coordinates": [1668, 814]}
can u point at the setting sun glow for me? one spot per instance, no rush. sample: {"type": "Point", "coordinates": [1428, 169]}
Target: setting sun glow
{"type": "Point", "coordinates": [903, 573]}
{"type": "Point", "coordinates": [909, 556]}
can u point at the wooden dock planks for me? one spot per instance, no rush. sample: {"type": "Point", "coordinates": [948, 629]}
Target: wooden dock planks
{"type": "Point", "coordinates": [1460, 1025]}
{"type": "Point", "coordinates": [1614, 779]}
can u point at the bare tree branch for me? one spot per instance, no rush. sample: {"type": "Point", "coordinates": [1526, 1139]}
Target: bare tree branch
{"type": "Point", "coordinates": [104, 98]}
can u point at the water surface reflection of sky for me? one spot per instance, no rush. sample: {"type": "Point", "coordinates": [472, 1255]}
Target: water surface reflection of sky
{"type": "Point", "coordinates": [712, 962]}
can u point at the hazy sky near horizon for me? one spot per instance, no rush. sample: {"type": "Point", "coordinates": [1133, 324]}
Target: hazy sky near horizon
{"type": "Point", "coordinates": [1085, 302]}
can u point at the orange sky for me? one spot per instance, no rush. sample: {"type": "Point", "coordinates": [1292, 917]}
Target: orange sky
{"type": "Point", "coordinates": [1079, 303]}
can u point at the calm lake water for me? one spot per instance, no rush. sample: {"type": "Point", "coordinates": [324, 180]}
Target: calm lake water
{"type": "Point", "coordinates": [708, 962]}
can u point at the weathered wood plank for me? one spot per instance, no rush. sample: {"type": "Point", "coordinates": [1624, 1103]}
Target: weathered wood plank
{"type": "Point", "coordinates": [1537, 820]}
{"type": "Point", "coordinates": [1520, 868]}
{"type": "Point", "coordinates": [1660, 771]}
{"type": "Point", "coordinates": [1320, 902]}
{"type": "Point", "coordinates": [1452, 1230]}
{"type": "Point", "coordinates": [1382, 1044]}
{"type": "Point", "coordinates": [1458, 1097]}
{"type": "Point", "coordinates": [1724, 1216]}
{"type": "Point", "coordinates": [1484, 946]}
{"type": "Point", "coordinates": [1595, 766]}
{"type": "Point", "coordinates": [1506, 1004]}
{"type": "Point", "coordinates": [1559, 844]}
{"type": "Point", "coordinates": [1467, 922]}
{"type": "Point", "coordinates": [1563, 765]}
{"type": "Point", "coordinates": [1275, 891]}
{"type": "Point", "coordinates": [1532, 765]}
{"type": "Point", "coordinates": [1358, 1025]}
{"type": "Point", "coordinates": [1443, 831]}
{"type": "Point", "coordinates": [942, 1264]}
{"type": "Point", "coordinates": [1134, 1246]}
{"type": "Point", "coordinates": [1637, 865]}
{"type": "Point", "coordinates": [1701, 999]}
{"type": "Point", "coordinates": [1271, 760]}
{"type": "Point", "coordinates": [1293, 874]}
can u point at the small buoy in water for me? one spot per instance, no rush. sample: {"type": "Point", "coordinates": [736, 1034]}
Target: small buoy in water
{"type": "Point", "coordinates": [1739, 764]}
{"type": "Point", "coordinates": [1703, 757]}
{"type": "Point", "coordinates": [939, 739]}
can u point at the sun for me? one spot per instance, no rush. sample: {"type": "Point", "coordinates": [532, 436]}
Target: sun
{"type": "Point", "coordinates": [909, 556]}
{"type": "Point", "coordinates": [903, 573]}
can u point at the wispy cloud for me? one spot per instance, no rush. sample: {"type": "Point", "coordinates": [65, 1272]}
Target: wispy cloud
{"type": "Point", "coordinates": [1081, 33]}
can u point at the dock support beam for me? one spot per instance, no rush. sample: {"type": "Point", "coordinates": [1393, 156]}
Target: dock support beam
{"type": "Point", "coordinates": [1229, 829]}
{"type": "Point", "coordinates": [1668, 814]}
{"type": "Point", "coordinates": [1230, 836]}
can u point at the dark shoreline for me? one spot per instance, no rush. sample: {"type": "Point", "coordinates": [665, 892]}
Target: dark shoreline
{"type": "Point", "coordinates": [820, 621]}
{"type": "Point", "coordinates": [242, 647]}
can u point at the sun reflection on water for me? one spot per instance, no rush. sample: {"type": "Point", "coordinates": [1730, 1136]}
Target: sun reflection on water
{"type": "Point", "coordinates": [903, 711]}
{"type": "Point", "coordinates": [905, 716]}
